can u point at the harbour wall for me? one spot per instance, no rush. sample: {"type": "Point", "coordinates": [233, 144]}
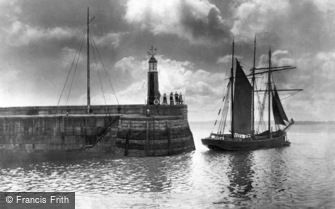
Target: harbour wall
{"type": "Point", "coordinates": [154, 136]}
{"type": "Point", "coordinates": [125, 130]}
{"type": "Point", "coordinates": [157, 110]}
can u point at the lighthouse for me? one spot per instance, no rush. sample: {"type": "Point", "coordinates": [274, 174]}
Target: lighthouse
{"type": "Point", "coordinates": [153, 87]}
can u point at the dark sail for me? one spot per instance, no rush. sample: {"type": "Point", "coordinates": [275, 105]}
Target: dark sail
{"type": "Point", "coordinates": [278, 110]}
{"type": "Point", "coordinates": [242, 102]}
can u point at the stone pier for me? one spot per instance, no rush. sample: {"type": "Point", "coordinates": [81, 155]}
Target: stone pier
{"type": "Point", "coordinates": [126, 130]}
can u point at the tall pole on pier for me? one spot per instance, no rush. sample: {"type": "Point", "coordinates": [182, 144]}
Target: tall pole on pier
{"type": "Point", "coordinates": [88, 62]}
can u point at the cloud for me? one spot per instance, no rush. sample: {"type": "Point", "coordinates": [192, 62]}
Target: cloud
{"type": "Point", "coordinates": [315, 76]}
{"type": "Point", "coordinates": [196, 21]}
{"type": "Point", "coordinates": [68, 55]}
{"type": "Point", "coordinates": [201, 89]}
{"type": "Point", "coordinates": [41, 37]}
{"type": "Point", "coordinates": [11, 91]}
{"type": "Point", "coordinates": [109, 39]}
{"type": "Point", "coordinates": [252, 17]}
{"type": "Point", "coordinates": [294, 25]}
{"type": "Point", "coordinates": [325, 5]}
{"type": "Point", "coordinates": [225, 60]}
{"type": "Point", "coordinates": [19, 34]}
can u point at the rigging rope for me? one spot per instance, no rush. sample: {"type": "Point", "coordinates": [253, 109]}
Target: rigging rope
{"type": "Point", "coordinates": [100, 80]}
{"type": "Point", "coordinates": [292, 94]}
{"type": "Point", "coordinates": [217, 117]}
{"type": "Point", "coordinates": [106, 72]}
{"type": "Point", "coordinates": [97, 56]}
{"type": "Point", "coordinates": [261, 107]}
{"type": "Point", "coordinates": [101, 87]}
{"type": "Point", "coordinates": [69, 72]}
{"type": "Point", "coordinates": [220, 123]}
{"type": "Point", "coordinates": [73, 77]}
{"type": "Point", "coordinates": [224, 111]}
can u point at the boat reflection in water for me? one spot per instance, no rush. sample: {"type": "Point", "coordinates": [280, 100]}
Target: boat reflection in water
{"type": "Point", "coordinates": [237, 177]}
{"type": "Point", "coordinates": [240, 174]}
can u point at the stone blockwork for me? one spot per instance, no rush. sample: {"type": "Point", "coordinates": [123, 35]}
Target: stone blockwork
{"type": "Point", "coordinates": [154, 136]}
{"type": "Point", "coordinates": [131, 130]}
{"type": "Point", "coordinates": [54, 133]}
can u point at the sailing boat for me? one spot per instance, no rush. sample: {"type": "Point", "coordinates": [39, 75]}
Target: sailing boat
{"type": "Point", "coordinates": [240, 101]}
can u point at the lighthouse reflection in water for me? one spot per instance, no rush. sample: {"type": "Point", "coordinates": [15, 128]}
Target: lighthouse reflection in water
{"type": "Point", "coordinates": [299, 176]}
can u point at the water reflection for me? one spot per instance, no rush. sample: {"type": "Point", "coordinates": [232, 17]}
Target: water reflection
{"type": "Point", "coordinates": [162, 174]}
{"type": "Point", "coordinates": [271, 176]}
{"type": "Point", "coordinates": [229, 173]}
{"type": "Point", "coordinates": [125, 175]}
{"type": "Point", "coordinates": [299, 176]}
{"type": "Point", "coordinates": [240, 174]}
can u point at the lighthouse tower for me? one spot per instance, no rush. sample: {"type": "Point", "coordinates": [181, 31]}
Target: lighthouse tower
{"type": "Point", "coordinates": [153, 88]}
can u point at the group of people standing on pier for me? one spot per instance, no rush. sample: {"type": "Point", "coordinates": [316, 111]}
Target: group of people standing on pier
{"type": "Point", "coordinates": [175, 99]}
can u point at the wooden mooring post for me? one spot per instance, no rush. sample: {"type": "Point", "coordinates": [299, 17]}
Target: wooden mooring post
{"type": "Point", "coordinates": [146, 146]}
{"type": "Point", "coordinates": [169, 137]}
{"type": "Point", "coordinates": [126, 146]}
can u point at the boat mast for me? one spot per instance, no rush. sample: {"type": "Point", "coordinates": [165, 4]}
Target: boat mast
{"type": "Point", "coordinates": [232, 90]}
{"type": "Point", "coordinates": [269, 95]}
{"type": "Point", "coordinates": [253, 93]}
{"type": "Point", "coordinates": [88, 62]}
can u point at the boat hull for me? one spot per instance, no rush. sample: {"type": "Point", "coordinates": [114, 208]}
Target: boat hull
{"type": "Point", "coordinates": [237, 144]}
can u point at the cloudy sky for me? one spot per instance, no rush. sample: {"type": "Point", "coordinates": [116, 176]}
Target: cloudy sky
{"type": "Point", "coordinates": [39, 39]}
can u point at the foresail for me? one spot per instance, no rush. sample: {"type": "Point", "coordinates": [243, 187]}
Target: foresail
{"type": "Point", "coordinates": [242, 102]}
{"type": "Point", "coordinates": [278, 110]}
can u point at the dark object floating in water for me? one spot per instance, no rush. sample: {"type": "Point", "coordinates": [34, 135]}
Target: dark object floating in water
{"type": "Point", "coordinates": [240, 102]}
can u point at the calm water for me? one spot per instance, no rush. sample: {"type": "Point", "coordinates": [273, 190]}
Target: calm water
{"type": "Point", "coordinates": [299, 176]}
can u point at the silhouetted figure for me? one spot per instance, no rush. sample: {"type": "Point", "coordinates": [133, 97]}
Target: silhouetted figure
{"type": "Point", "coordinates": [171, 99]}
{"type": "Point", "coordinates": [176, 98]}
{"type": "Point", "coordinates": [181, 98]}
{"type": "Point", "coordinates": [164, 99]}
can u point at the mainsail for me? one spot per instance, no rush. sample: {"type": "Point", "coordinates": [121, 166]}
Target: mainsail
{"type": "Point", "coordinates": [242, 102]}
{"type": "Point", "coordinates": [278, 110]}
